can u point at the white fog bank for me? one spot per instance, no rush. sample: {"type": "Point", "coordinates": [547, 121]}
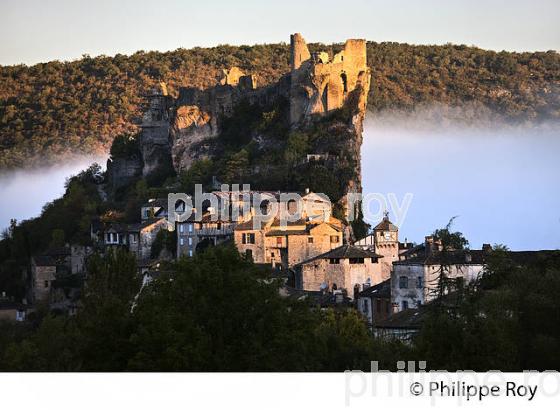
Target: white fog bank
{"type": "Point", "coordinates": [25, 192]}
{"type": "Point", "coordinates": [501, 180]}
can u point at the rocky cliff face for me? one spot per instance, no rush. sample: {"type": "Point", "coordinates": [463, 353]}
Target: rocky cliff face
{"type": "Point", "coordinates": [183, 130]}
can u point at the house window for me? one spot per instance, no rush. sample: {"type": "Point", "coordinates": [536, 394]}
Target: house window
{"type": "Point", "coordinates": [334, 261]}
{"type": "Point", "coordinates": [419, 282]}
{"type": "Point", "coordinates": [366, 306]}
{"type": "Point", "coordinates": [403, 282]}
{"type": "Point", "coordinates": [334, 238]}
{"type": "Point", "coordinates": [310, 239]}
{"type": "Point", "coordinates": [279, 241]}
{"type": "Point", "coordinates": [373, 260]}
{"type": "Point", "coordinates": [378, 305]}
{"type": "Point", "coordinates": [356, 261]}
{"type": "Point", "coordinates": [248, 238]}
{"type": "Point", "coordinates": [182, 241]}
{"type": "Point", "coordinates": [190, 227]}
{"type": "Point", "coordinates": [181, 228]}
{"type": "Point", "coordinates": [404, 305]}
{"type": "Point", "coordinates": [20, 316]}
{"type": "Point", "coordinates": [46, 284]}
{"type": "Point", "coordinates": [249, 254]}
{"type": "Point", "coordinates": [190, 241]}
{"type": "Point", "coordinates": [219, 226]}
{"type": "Point", "coordinates": [272, 254]}
{"type": "Point", "coordinates": [190, 252]}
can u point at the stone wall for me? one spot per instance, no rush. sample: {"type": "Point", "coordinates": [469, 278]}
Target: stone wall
{"type": "Point", "coordinates": [344, 274]}
{"type": "Point", "coordinates": [43, 276]}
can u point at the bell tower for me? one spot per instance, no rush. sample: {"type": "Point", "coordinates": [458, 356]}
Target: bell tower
{"type": "Point", "coordinates": [386, 237]}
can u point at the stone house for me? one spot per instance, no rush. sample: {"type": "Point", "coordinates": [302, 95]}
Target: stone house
{"type": "Point", "coordinates": [13, 311]}
{"type": "Point", "coordinates": [237, 224]}
{"type": "Point", "coordinates": [415, 278]}
{"type": "Point", "coordinates": [288, 245]}
{"type": "Point", "coordinates": [403, 326]}
{"type": "Point", "coordinates": [374, 302]}
{"type": "Point", "coordinates": [137, 238]}
{"type": "Point", "coordinates": [56, 264]}
{"type": "Point", "coordinates": [210, 230]}
{"type": "Point", "coordinates": [345, 267]}
{"type": "Point", "coordinates": [43, 273]}
{"type": "Point", "coordinates": [142, 236]}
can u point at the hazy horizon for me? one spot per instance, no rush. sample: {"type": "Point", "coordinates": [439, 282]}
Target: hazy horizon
{"type": "Point", "coordinates": [35, 31]}
{"type": "Point", "coordinates": [499, 179]}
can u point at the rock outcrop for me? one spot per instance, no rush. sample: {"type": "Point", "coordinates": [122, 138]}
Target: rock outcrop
{"type": "Point", "coordinates": [182, 130]}
{"type": "Point", "coordinates": [319, 85]}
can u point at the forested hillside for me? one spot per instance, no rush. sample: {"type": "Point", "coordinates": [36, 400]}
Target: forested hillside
{"type": "Point", "coordinates": [53, 110]}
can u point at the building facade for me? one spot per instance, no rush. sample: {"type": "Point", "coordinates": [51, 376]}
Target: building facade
{"type": "Point", "coordinates": [346, 267]}
{"type": "Point", "coordinates": [415, 279]}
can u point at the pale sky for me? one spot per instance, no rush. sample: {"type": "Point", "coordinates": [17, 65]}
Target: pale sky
{"type": "Point", "coordinates": [34, 31]}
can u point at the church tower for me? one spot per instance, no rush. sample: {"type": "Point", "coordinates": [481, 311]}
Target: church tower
{"type": "Point", "coordinates": [386, 237]}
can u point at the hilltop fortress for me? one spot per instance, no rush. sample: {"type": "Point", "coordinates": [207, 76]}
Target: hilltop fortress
{"type": "Point", "coordinates": [184, 129]}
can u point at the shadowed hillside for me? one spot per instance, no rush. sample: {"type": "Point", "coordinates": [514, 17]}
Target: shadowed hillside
{"type": "Point", "coordinates": [53, 110]}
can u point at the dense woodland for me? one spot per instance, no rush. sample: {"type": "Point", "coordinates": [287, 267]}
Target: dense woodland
{"type": "Point", "coordinates": [213, 312]}
{"type": "Point", "coordinates": [53, 110]}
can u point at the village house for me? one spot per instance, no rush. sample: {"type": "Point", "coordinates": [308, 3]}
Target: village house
{"type": "Point", "coordinates": [415, 278]}
{"type": "Point", "coordinates": [346, 267]}
{"type": "Point", "coordinates": [43, 272]}
{"type": "Point", "coordinates": [141, 236]}
{"type": "Point", "coordinates": [403, 326]}
{"type": "Point", "coordinates": [195, 235]}
{"type": "Point", "coordinates": [287, 244]}
{"type": "Point", "coordinates": [232, 215]}
{"type": "Point", "coordinates": [46, 269]}
{"type": "Point", "coordinates": [138, 238]}
{"type": "Point", "coordinates": [374, 302]}
{"type": "Point", "coordinates": [13, 311]}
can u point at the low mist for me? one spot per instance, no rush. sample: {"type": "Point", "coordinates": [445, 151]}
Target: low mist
{"type": "Point", "coordinates": [501, 179]}
{"type": "Point", "coordinates": [25, 192]}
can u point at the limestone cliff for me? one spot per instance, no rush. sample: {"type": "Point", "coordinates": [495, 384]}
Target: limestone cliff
{"type": "Point", "coordinates": [326, 97]}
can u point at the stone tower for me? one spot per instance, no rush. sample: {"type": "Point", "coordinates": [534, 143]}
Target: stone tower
{"type": "Point", "coordinates": [386, 239]}
{"type": "Point", "coordinates": [319, 85]}
{"type": "Point", "coordinates": [154, 138]}
{"type": "Point", "coordinates": [299, 51]}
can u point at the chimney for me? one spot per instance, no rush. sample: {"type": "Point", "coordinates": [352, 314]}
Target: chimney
{"type": "Point", "coordinates": [432, 245]}
{"type": "Point", "coordinates": [486, 247]}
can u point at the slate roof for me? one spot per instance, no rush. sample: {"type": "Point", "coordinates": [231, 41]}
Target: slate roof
{"type": "Point", "coordinates": [381, 290]}
{"type": "Point", "coordinates": [406, 319]}
{"type": "Point", "coordinates": [386, 225]}
{"type": "Point", "coordinates": [279, 232]}
{"type": "Point", "coordinates": [458, 257]}
{"type": "Point", "coordinates": [137, 227]}
{"type": "Point", "coordinates": [44, 260]}
{"type": "Point", "coordinates": [317, 297]}
{"type": "Point", "coordinates": [248, 226]}
{"type": "Point", "coordinates": [11, 305]}
{"type": "Point", "coordinates": [343, 252]}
